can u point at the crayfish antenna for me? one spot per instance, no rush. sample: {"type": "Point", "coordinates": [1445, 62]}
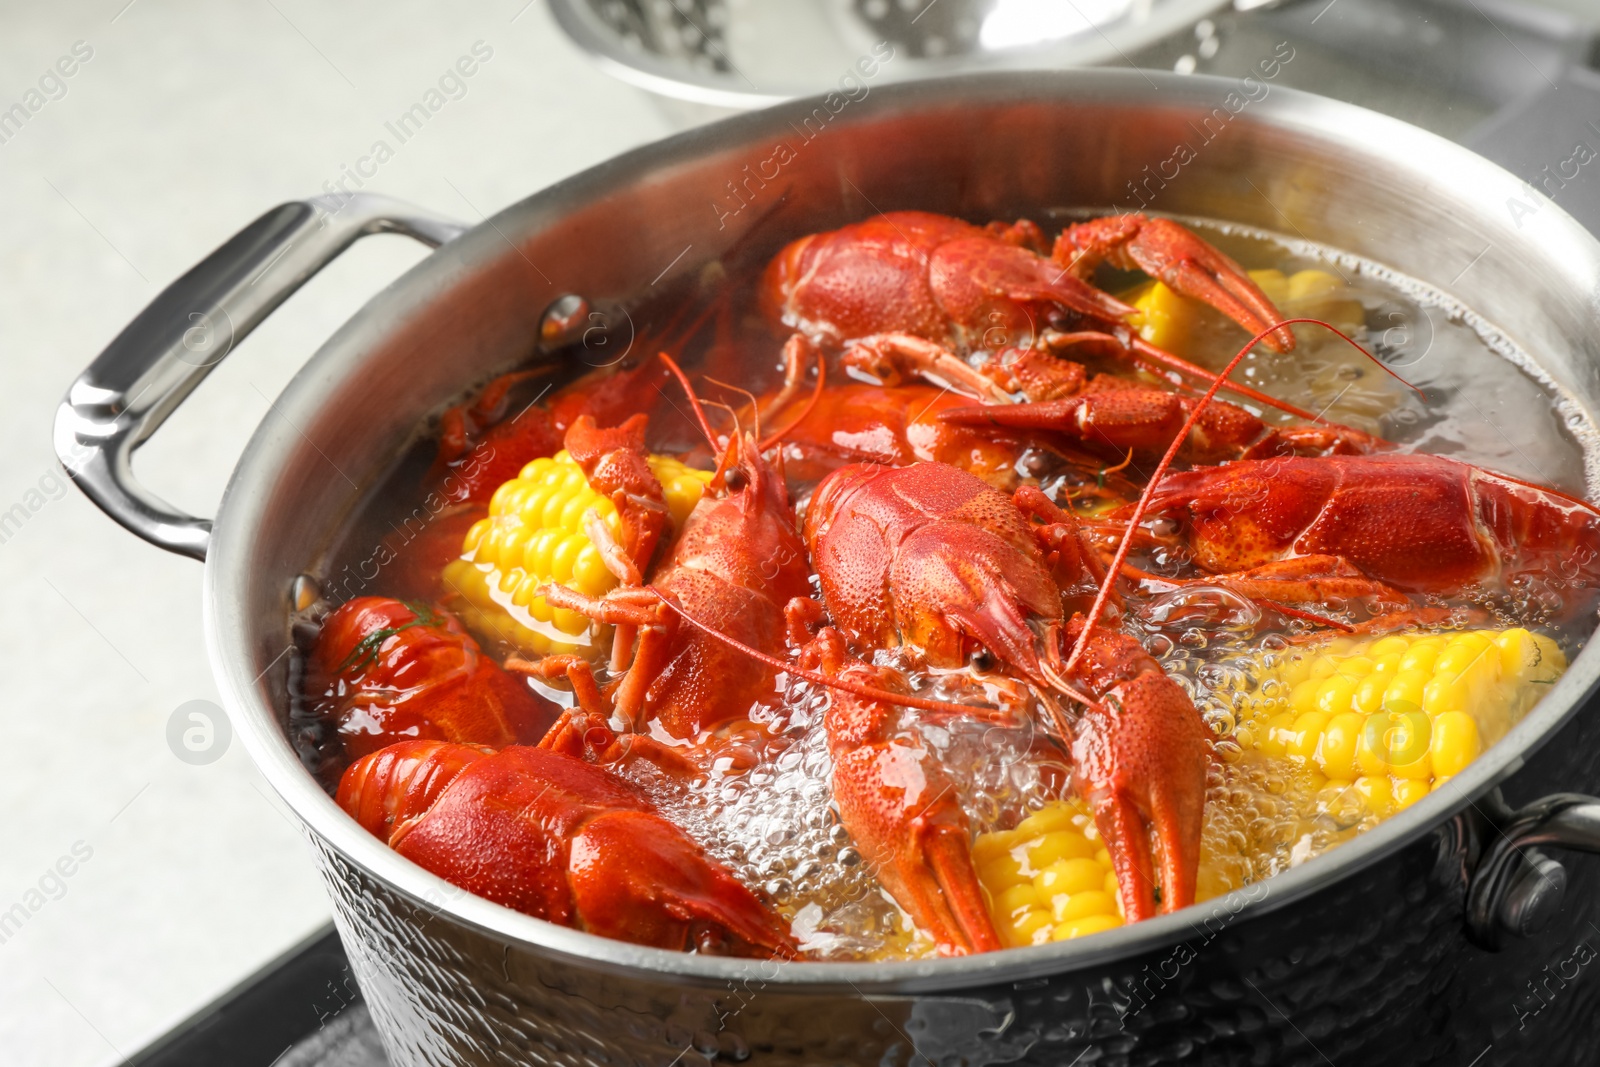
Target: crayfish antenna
{"type": "Point", "coordinates": [805, 412]}
{"type": "Point", "coordinates": [858, 688]}
{"type": "Point", "coordinates": [694, 401]}
{"type": "Point", "coordinates": [755, 408]}
{"type": "Point", "coordinates": [1120, 559]}
{"type": "Point", "coordinates": [728, 453]}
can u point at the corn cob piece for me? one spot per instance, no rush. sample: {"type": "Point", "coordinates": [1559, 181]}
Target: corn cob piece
{"type": "Point", "coordinates": [1050, 879]}
{"type": "Point", "coordinates": [1396, 717]}
{"type": "Point", "coordinates": [534, 535]}
{"type": "Point", "coordinates": [1168, 320]}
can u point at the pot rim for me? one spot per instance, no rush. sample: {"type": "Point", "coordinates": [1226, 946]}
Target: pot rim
{"type": "Point", "coordinates": [257, 720]}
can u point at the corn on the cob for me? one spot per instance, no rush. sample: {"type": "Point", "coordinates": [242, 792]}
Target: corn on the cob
{"type": "Point", "coordinates": [1169, 320]}
{"type": "Point", "coordinates": [534, 535]}
{"type": "Point", "coordinates": [1395, 717]}
{"type": "Point", "coordinates": [1050, 879]}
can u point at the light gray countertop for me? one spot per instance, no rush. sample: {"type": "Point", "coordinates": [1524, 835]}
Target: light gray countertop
{"type": "Point", "coordinates": [187, 121]}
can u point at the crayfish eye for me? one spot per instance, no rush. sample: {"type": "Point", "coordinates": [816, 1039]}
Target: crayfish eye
{"type": "Point", "coordinates": [735, 480]}
{"type": "Point", "coordinates": [982, 661]}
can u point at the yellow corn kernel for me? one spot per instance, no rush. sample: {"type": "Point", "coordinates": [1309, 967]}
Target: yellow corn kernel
{"type": "Point", "coordinates": [569, 622]}
{"type": "Point", "coordinates": [1388, 663]}
{"type": "Point", "coordinates": [1378, 794]}
{"type": "Point", "coordinates": [527, 587]}
{"type": "Point", "coordinates": [1419, 769]}
{"type": "Point", "coordinates": [1014, 901]}
{"type": "Point", "coordinates": [1404, 693]}
{"type": "Point", "coordinates": [565, 555]}
{"type": "Point", "coordinates": [1004, 871]}
{"type": "Point", "coordinates": [1111, 887]}
{"type": "Point", "coordinates": [1459, 657]}
{"type": "Point", "coordinates": [1049, 818]}
{"type": "Point", "coordinates": [1407, 792]}
{"type": "Point", "coordinates": [536, 557]}
{"type": "Point", "coordinates": [1368, 696]}
{"type": "Point", "coordinates": [1089, 924]}
{"type": "Point", "coordinates": [1533, 657]}
{"type": "Point", "coordinates": [1445, 693]}
{"type": "Point", "coordinates": [1455, 743]}
{"type": "Point", "coordinates": [1069, 876]}
{"type": "Point", "coordinates": [1516, 648]}
{"type": "Point", "coordinates": [1334, 695]}
{"type": "Point", "coordinates": [589, 574]}
{"type": "Point", "coordinates": [1031, 928]}
{"type": "Point", "coordinates": [1294, 670]}
{"type": "Point", "coordinates": [1089, 902]}
{"type": "Point", "coordinates": [540, 610]}
{"type": "Point", "coordinates": [1059, 845]}
{"type": "Point", "coordinates": [1419, 657]}
{"type": "Point", "coordinates": [1277, 734]}
{"type": "Point", "coordinates": [1337, 755]}
{"type": "Point", "coordinates": [1305, 734]}
{"type": "Point", "coordinates": [1163, 317]}
{"type": "Point", "coordinates": [475, 535]}
{"type": "Point", "coordinates": [989, 846]}
{"type": "Point", "coordinates": [1357, 667]}
{"type": "Point", "coordinates": [1393, 645]}
{"type": "Point", "coordinates": [1303, 697]}
{"type": "Point", "coordinates": [1323, 666]}
{"type": "Point", "coordinates": [1394, 742]}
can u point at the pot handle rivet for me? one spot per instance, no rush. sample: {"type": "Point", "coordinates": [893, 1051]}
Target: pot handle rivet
{"type": "Point", "coordinates": [1516, 889]}
{"type": "Point", "coordinates": [1534, 897]}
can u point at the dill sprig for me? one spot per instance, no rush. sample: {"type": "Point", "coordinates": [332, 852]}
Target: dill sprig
{"type": "Point", "coordinates": [366, 650]}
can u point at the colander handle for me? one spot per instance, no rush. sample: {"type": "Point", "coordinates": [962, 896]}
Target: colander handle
{"type": "Point", "coordinates": [153, 364]}
{"type": "Point", "coordinates": [1516, 889]}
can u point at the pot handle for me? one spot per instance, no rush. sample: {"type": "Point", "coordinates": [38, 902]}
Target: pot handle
{"type": "Point", "coordinates": [1516, 889]}
{"type": "Point", "coordinates": [153, 364]}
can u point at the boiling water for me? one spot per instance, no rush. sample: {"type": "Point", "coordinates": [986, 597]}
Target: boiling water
{"type": "Point", "coordinates": [769, 816]}
{"type": "Point", "coordinates": [1482, 401]}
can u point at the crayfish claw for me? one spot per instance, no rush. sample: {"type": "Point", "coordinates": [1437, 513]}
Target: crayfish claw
{"type": "Point", "coordinates": [1140, 754]}
{"type": "Point", "coordinates": [1179, 258]}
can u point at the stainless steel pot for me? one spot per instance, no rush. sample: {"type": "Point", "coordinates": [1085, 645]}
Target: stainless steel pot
{"type": "Point", "coordinates": [1361, 955]}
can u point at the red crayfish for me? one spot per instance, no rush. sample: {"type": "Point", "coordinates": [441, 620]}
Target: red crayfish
{"type": "Point", "coordinates": [386, 670]}
{"type": "Point", "coordinates": [559, 839]}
